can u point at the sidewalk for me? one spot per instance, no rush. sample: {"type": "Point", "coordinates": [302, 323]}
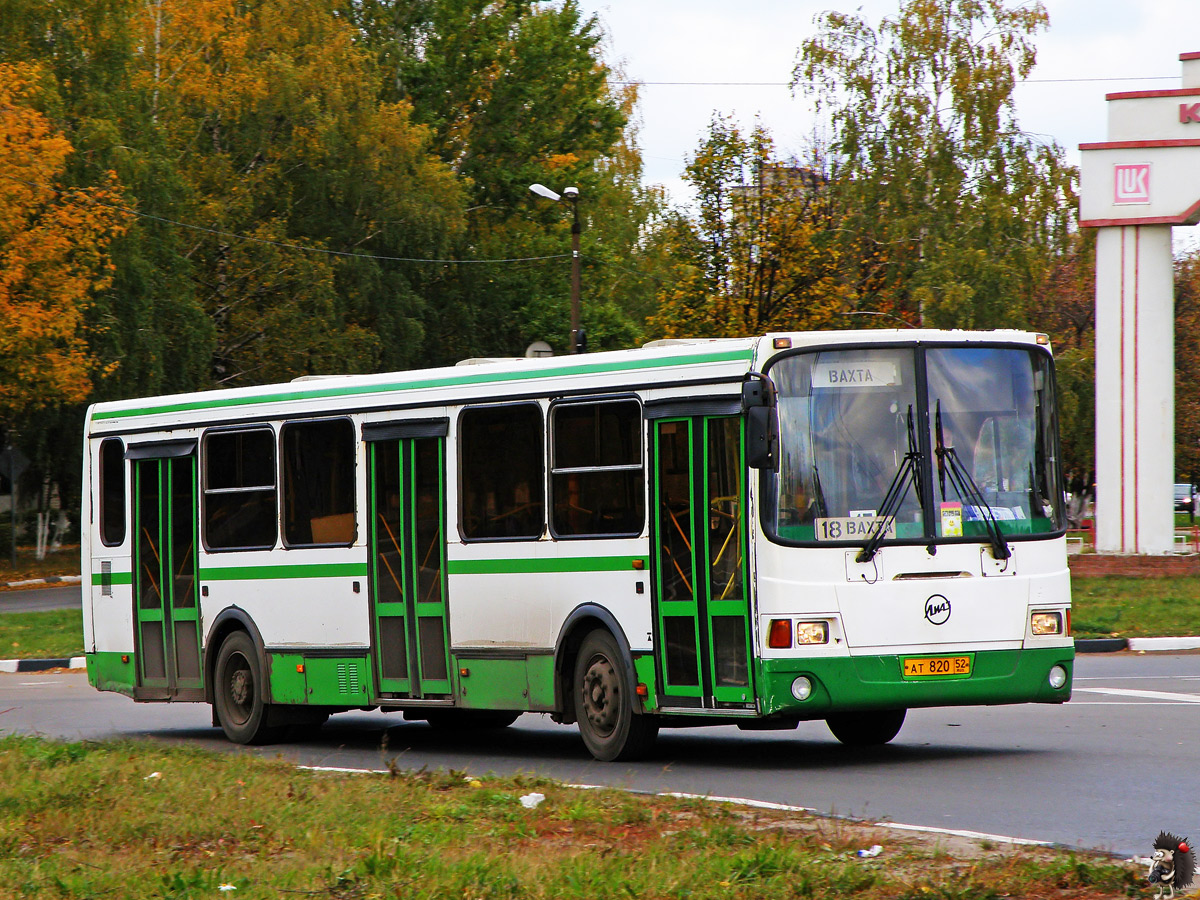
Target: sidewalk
{"type": "Point", "coordinates": [49, 579]}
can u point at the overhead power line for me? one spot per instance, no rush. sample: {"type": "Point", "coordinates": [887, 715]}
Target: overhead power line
{"type": "Point", "coordinates": [287, 245]}
{"type": "Point", "coordinates": [344, 253]}
{"type": "Point", "coordinates": [789, 84]}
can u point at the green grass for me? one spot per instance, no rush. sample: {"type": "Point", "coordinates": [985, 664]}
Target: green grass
{"type": "Point", "coordinates": [41, 635]}
{"type": "Point", "coordinates": [1135, 607]}
{"type": "Point", "coordinates": [137, 820]}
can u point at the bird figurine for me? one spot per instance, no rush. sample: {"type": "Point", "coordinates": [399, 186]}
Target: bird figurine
{"type": "Point", "coordinates": [1172, 866]}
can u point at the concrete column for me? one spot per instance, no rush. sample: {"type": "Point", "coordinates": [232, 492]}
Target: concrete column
{"type": "Point", "coordinates": [1135, 389]}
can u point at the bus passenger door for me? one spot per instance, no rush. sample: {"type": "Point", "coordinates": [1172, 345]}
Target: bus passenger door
{"type": "Point", "coordinates": [167, 620]}
{"type": "Point", "coordinates": [408, 555]}
{"type": "Point", "coordinates": [701, 605]}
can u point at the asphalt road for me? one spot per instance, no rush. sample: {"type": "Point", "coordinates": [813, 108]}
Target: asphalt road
{"type": "Point", "coordinates": [1106, 771]}
{"type": "Point", "coordinates": [67, 596]}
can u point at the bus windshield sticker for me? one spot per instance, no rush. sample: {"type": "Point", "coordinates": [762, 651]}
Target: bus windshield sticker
{"type": "Point", "coordinates": [853, 528]}
{"type": "Point", "coordinates": [952, 516]}
{"type": "Point", "coordinates": [858, 373]}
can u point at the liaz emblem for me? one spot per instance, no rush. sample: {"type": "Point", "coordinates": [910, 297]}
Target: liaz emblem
{"type": "Point", "coordinates": [937, 609]}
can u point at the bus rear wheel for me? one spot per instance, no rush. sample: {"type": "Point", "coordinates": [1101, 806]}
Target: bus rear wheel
{"type": "Point", "coordinates": [866, 729]}
{"type": "Point", "coordinates": [604, 703]}
{"type": "Point", "coordinates": [238, 693]}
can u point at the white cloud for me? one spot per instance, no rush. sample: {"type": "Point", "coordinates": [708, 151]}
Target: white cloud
{"type": "Point", "coordinates": [756, 41]}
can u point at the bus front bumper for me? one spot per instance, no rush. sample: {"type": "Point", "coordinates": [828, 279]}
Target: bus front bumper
{"type": "Point", "coordinates": [877, 682]}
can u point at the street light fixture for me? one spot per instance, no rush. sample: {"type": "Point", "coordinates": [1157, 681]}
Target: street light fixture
{"type": "Point", "coordinates": [571, 195]}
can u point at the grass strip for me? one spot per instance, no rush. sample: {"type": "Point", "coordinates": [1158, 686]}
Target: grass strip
{"type": "Point", "coordinates": [137, 820]}
{"type": "Point", "coordinates": [1118, 606]}
{"type": "Point", "coordinates": [41, 635]}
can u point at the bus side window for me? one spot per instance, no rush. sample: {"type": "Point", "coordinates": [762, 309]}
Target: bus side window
{"type": "Point", "coordinates": [318, 482]}
{"type": "Point", "coordinates": [112, 492]}
{"type": "Point", "coordinates": [239, 490]}
{"type": "Point", "coordinates": [597, 480]}
{"type": "Point", "coordinates": [501, 472]}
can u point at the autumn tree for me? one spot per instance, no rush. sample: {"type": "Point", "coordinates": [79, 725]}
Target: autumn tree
{"type": "Point", "coordinates": [760, 253]}
{"type": "Point", "coordinates": [54, 240]}
{"type": "Point", "coordinates": [313, 190]}
{"type": "Point", "coordinates": [955, 213]}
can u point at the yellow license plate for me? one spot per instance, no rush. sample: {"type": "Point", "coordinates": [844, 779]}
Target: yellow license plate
{"type": "Point", "coordinates": [936, 666]}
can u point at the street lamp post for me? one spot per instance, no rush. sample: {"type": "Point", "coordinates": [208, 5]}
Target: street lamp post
{"type": "Point", "coordinates": [571, 195]}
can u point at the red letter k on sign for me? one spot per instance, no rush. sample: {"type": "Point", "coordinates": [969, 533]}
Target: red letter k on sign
{"type": "Point", "coordinates": [1189, 113]}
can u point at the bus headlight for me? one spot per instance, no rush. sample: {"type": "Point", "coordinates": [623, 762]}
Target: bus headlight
{"type": "Point", "coordinates": [802, 687]}
{"type": "Point", "coordinates": [812, 632]}
{"type": "Point", "coordinates": [1057, 678]}
{"type": "Point", "coordinates": [1042, 623]}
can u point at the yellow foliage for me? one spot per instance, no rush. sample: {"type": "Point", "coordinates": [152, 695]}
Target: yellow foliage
{"type": "Point", "coordinates": [52, 254]}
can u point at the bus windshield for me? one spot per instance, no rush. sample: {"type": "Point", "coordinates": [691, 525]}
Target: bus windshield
{"type": "Point", "coordinates": [965, 453]}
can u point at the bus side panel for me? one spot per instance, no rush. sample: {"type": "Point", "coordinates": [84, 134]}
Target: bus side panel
{"type": "Point", "coordinates": [295, 605]}
{"type": "Point", "coordinates": [518, 595]}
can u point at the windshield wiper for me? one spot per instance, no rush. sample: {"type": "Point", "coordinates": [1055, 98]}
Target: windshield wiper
{"type": "Point", "coordinates": [908, 473]}
{"type": "Point", "coordinates": [960, 478]}
{"type": "Point", "coordinates": [821, 509]}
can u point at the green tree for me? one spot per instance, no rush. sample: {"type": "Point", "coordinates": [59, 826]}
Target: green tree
{"type": "Point", "coordinates": [953, 213]}
{"type": "Point", "coordinates": [761, 253]}
{"type": "Point", "coordinates": [1187, 365]}
{"type": "Point", "coordinates": [273, 114]}
{"type": "Point", "coordinates": [517, 93]}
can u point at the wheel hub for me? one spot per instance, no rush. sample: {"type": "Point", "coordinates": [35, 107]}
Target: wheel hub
{"type": "Point", "coordinates": [601, 701]}
{"type": "Point", "coordinates": [240, 687]}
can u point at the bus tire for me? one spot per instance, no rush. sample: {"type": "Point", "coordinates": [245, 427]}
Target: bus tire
{"type": "Point", "coordinates": [470, 719]}
{"type": "Point", "coordinates": [604, 703]}
{"type": "Point", "coordinates": [238, 693]}
{"type": "Point", "coordinates": [866, 729]}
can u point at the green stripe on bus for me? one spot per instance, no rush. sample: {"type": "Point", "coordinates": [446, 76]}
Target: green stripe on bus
{"type": "Point", "coordinates": [741, 355]}
{"type": "Point", "coordinates": [260, 573]}
{"type": "Point", "coordinates": [538, 566]}
{"type": "Point", "coordinates": [99, 579]}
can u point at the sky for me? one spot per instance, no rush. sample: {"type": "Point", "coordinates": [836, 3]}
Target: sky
{"type": "Point", "coordinates": [1123, 44]}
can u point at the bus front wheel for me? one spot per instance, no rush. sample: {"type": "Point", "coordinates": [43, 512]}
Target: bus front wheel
{"type": "Point", "coordinates": [604, 703]}
{"type": "Point", "coordinates": [238, 693]}
{"type": "Point", "coordinates": [866, 729]}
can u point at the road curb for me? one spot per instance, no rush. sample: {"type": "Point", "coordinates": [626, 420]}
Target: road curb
{"type": "Point", "coordinates": [1164, 643]}
{"type": "Point", "coordinates": [42, 665]}
{"type": "Point", "coordinates": [1100, 645]}
{"type": "Point", "coordinates": [1139, 645]}
{"type": "Point", "coordinates": [49, 579]}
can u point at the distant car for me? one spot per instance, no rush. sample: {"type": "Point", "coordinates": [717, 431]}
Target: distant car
{"type": "Point", "coordinates": [1185, 497]}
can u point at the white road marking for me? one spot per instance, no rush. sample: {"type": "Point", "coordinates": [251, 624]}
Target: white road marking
{"type": "Point", "coordinates": [1143, 695]}
{"type": "Point", "coordinates": [1137, 678]}
{"type": "Point", "coordinates": [1128, 703]}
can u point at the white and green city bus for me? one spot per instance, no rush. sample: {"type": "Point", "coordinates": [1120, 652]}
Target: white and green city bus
{"type": "Point", "coordinates": [837, 526]}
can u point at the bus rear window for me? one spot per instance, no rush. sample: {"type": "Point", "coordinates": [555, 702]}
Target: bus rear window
{"type": "Point", "coordinates": [112, 492]}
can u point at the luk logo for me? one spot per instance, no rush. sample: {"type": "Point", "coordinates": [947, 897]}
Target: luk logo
{"type": "Point", "coordinates": [1131, 183]}
{"type": "Point", "coordinates": [937, 610]}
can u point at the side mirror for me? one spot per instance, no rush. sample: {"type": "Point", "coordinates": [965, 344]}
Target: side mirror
{"type": "Point", "coordinates": [762, 438]}
{"type": "Point", "coordinates": [762, 425]}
